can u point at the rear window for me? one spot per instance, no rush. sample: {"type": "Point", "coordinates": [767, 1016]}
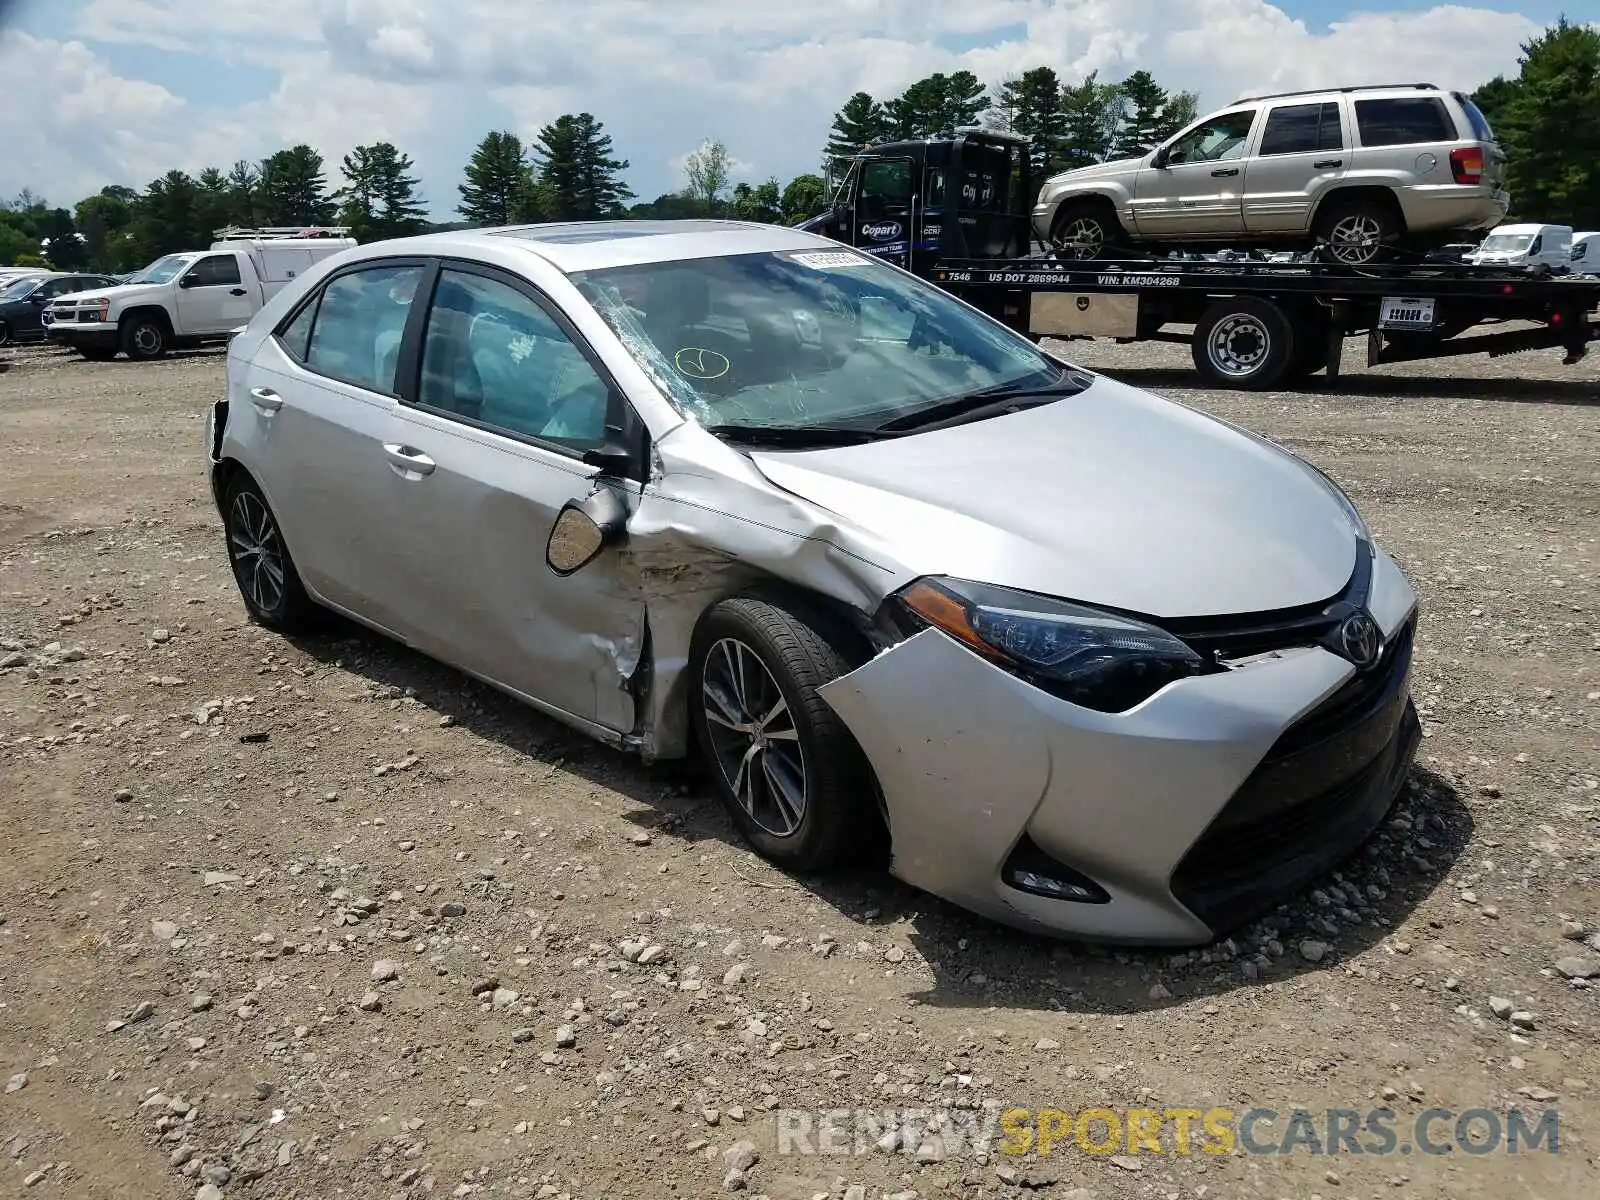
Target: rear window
{"type": "Point", "coordinates": [1404, 120]}
{"type": "Point", "coordinates": [1476, 119]}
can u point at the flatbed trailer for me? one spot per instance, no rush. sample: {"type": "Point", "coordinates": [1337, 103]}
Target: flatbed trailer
{"type": "Point", "coordinates": [957, 210]}
{"type": "Point", "coordinates": [1258, 325]}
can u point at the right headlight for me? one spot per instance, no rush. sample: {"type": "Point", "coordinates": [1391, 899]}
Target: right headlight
{"type": "Point", "coordinates": [1095, 659]}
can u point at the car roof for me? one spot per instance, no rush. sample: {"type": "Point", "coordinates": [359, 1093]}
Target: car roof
{"type": "Point", "coordinates": [572, 246]}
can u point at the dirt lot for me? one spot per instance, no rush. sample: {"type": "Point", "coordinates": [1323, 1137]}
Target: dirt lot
{"type": "Point", "coordinates": [326, 920]}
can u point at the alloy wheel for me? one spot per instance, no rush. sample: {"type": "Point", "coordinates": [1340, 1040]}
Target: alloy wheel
{"type": "Point", "coordinates": [1239, 344]}
{"type": "Point", "coordinates": [754, 738]}
{"type": "Point", "coordinates": [1356, 239]}
{"type": "Point", "coordinates": [1081, 237]}
{"type": "Point", "coordinates": [257, 552]}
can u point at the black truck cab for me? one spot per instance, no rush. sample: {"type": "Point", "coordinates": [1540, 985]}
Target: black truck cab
{"type": "Point", "coordinates": [965, 195]}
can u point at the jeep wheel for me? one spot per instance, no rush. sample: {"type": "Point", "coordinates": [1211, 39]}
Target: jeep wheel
{"type": "Point", "coordinates": [143, 337]}
{"type": "Point", "coordinates": [1358, 233]}
{"type": "Point", "coordinates": [1083, 230]}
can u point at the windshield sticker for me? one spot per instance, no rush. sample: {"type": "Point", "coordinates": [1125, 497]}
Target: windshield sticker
{"type": "Point", "coordinates": [824, 260]}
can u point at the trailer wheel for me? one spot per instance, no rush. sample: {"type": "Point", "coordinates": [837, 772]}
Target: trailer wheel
{"type": "Point", "coordinates": [1243, 343]}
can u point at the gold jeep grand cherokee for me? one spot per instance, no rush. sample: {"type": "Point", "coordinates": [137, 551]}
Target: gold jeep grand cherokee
{"type": "Point", "coordinates": [1361, 170]}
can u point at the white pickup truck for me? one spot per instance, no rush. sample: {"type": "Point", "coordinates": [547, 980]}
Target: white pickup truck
{"type": "Point", "coordinates": [191, 298]}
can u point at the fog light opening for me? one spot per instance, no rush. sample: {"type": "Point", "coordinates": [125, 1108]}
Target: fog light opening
{"type": "Point", "coordinates": [1029, 869]}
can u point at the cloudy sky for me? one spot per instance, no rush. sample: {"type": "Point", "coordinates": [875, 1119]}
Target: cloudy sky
{"type": "Point", "coordinates": [103, 91]}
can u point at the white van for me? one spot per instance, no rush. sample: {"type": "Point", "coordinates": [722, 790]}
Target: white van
{"type": "Point", "coordinates": [1586, 253]}
{"type": "Point", "coordinates": [1526, 248]}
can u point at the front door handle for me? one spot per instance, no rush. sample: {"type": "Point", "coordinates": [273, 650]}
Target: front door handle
{"type": "Point", "coordinates": [236, 292]}
{"type": "Point", "coordinates": [1224, 172]}
{"type": "Point", "coordinates": [1327, 163]}
{"type": "Point", "coordinates": [267, 400]}
{"type": "Point", "coordinates": [408, 460]}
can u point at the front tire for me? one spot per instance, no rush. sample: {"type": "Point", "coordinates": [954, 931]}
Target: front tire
{"type": "Point", "coordinates": [144, 337]}
{"type": "Point", "coordinates": [5, 334]}
{"type": "Point", "coordinates": [268, 582]}
{"type": "Point", "coordinates": [788, 771]}
{"type": "Point", "coordinates": [1244, 343]}
{"type": "Point", "coordinates": [1084, 230]}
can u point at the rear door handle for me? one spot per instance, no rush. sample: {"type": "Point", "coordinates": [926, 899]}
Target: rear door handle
{"type": "Point", "coordinates": [1328, 162]}
{"type": "Point", "coordinates": [267, 400]}
{"type": "Point", "coordinates": [236, 292]}
{"type": "Point", "coordinates": [408, 460]}
{"type": "Point", "coordinates": [1224, 172]}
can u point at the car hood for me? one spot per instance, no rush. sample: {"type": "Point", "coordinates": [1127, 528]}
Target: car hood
{"type": "Point", "coordinates": [123, 291]}
{"type": "Point", "coordinates": [1113, 497]}
{"type": "Point", "coordinates": [1117, 166]}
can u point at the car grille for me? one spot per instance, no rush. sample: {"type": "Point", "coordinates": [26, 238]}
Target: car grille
{"type": "Point", "coordinates": [1318, 793]}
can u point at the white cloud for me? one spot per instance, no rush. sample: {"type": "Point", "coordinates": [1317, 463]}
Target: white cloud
{"type": "Point", "coordinates": [765, 78]}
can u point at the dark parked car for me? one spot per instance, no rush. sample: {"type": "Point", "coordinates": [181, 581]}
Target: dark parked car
{"type": "Point", "coordinates": [23, 300]}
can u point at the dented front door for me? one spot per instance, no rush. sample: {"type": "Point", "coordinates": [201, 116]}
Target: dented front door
{"type": "Point", "coordinates": [475, 515]}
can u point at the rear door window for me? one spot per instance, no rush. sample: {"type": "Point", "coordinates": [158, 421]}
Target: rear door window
{"type": "Point", "coordinates": [359, 321]}
{"type": "Point", "coordinates": [1475, 118]}
{"type": "Point", "coordinates": [1302, 129]}
{"type": "Point", "coordinates": [1404, 121]}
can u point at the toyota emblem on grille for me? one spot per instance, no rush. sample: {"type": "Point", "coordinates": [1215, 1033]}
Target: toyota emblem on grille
{"type": "Point", "coordinates": [1360, 639]}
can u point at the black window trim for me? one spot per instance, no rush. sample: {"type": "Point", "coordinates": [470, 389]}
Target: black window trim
{"type": "Point", "coordinates": [622, 419]}
{"type": "Point", "coordinates": [314, 301]}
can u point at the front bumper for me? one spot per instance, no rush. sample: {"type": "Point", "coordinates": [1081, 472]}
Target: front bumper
{"type": "Point", "coordinates": [96, 337]}
{"type": "Point", "coordinates": [1194, 811]}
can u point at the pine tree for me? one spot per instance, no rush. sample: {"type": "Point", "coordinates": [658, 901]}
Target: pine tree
{"type": "Point", "coordinates": [293, 189]}
{"type": "Point", "coordinates": [211, 202]}
{"type": "Point", "coordinates": [576, 170]}
{"type": "Point", "coordinates": [495, 173]}
{"type": "Point", "coordinates": [1033, 102]}
{"type": "Point", "coordinates": [244, 193]}
{"type": "Point", "coordinates": [936, 104]}
{"type": "Point", "coordinates": [1092, 116]}
{"type": "Point", "coordinates": [1548, 121]}
{"type": "Point", "coordinates": [1143, 101]}
{"type": "Point", "coordinates": [860, 122]}
{"type": "Point", "coordinates": [380, 194]}
{"type": "Point", "coordinates": [63, 248]}
{"type": "Point", "coordinates": [1179, 111]}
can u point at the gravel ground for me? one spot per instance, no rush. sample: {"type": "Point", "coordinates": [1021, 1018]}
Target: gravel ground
{"type": "Point", "coordinates": [324, 919]}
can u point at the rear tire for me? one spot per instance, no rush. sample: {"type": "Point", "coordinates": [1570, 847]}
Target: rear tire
{"type": "Point", "coordinates": [5, 334]}
{"type": "Point", "coordinates": [1084, 230]}
{"type": "Point", "coordinates": [144, 337]}
{"type": "Point", "coordinates": [788, 771]}
{"type": "Point", "coordinates": [1358, 233]}
{"type": "Point", "coordinates": [265, 573]}
{"type": "Point", "coordinates": [1244, 343]}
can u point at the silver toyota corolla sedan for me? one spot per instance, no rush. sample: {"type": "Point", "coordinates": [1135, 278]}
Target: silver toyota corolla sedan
{"type": "Point", "coordinates": [1102, 666]}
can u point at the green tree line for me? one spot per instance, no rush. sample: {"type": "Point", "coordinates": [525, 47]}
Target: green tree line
{"type": "Point", "coordinates": [1546, 118]}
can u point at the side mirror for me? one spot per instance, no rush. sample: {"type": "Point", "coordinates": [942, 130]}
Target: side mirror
{"type": "Point", "coordinates": [1159, 162]}
{"type": "Point", "coordinates": [583, 529]}
{"type": "Point", "coordinates": [187, 281]}
{"type": "Point", "coordinates": [37, 297]}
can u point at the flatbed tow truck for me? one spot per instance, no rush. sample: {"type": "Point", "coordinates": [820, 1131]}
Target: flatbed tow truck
{"type": "Point", "coordinates": [957, 210]}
